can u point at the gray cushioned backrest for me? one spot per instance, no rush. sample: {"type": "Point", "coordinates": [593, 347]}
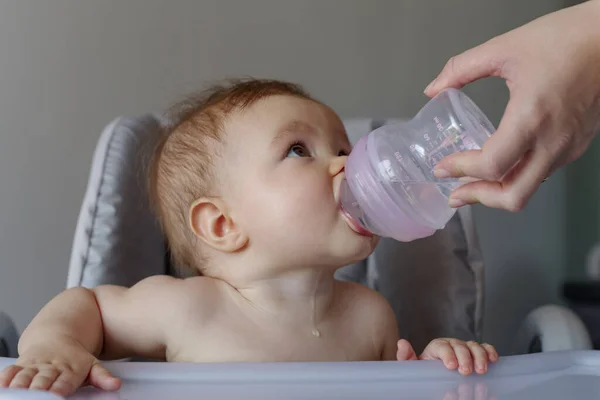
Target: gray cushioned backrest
{"type": "Point", "coordinates": [117, 239]}
{"type": "Point", "coordinates": [435, 285]}
{"type": "Point", "coordinates": [8, 337]}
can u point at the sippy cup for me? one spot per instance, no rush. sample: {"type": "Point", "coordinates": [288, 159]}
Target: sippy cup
{"type": "Point", "coordinates": [389, 188]}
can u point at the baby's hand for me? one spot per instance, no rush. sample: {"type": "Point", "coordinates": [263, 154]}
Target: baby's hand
{"type": "Point", "coordinates": [61, 370]}
{"type": "Point", "coordinates": [453, 353]}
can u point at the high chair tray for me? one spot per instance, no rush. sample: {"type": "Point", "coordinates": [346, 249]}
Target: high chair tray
{"type": "Point", "coordinates": [548, 376]}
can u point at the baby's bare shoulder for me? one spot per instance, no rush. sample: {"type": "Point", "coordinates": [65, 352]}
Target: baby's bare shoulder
{"type": "Point", "coordinates": [365, 302]}
{"type": "Point", "coordinates": [166, 292]}
{"type": "Point", "coordinates": [358, 292]}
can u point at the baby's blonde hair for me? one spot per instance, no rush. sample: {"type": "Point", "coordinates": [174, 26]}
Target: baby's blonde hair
{"type": "Point", "coordinates": [182, 166]}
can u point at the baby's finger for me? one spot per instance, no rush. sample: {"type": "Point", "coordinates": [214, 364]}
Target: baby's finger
{"type": "Point", "coordinates": [23, 378]}
{"type": "Point", "coordinates": [101, 378]}
{"type": "Point", "coordinates": [491, 352]}
{"type": "Point", "coordinates": [8, 374]}
{"type": "Point", "coordinates": [66, 383]}
{"type": "Point", "coordinates": [441, 350]}
{"type": "Point", "coordinates": [44, 379]}
{"type": "Point", "coordinates": [463, 354]}
{"type": "Point", "coordinates": [480, 356]}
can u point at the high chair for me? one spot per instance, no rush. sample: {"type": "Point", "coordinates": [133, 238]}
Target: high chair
{"type": "Point", "coordinates": [434, 285]}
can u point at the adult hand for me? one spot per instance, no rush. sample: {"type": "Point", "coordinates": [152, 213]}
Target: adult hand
{"type": "Point", "coordinates": [551, 67]}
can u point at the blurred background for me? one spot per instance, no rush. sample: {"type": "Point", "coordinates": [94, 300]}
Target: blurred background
{"type": "Point", "coordinates": [68, 67]}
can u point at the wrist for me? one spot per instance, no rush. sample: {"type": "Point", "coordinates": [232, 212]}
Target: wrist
{"type": "Point", "coordinates": [33, 344]}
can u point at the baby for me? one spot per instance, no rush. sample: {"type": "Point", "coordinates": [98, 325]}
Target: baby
{"type": "Point", "coordinates": [245, 184]}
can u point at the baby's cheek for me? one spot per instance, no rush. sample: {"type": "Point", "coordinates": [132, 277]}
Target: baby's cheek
{"type": "Point", "coordinates": [302, 202]}
{"type": "Point", "coordinates": [276, 214]}
{"type": "Point", "coordinates": [302, 220]}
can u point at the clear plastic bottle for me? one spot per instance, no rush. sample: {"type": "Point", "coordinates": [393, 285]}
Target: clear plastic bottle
{"type": "Point", "coordinates": [390, 189]}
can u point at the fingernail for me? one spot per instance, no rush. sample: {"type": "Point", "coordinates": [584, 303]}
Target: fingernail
{"type": "Point", "coordinates": [432, 84]}
{"type": "Point", "coordinates": [441, 173]}
{"type": "Point", "coordinates": [455, 203]}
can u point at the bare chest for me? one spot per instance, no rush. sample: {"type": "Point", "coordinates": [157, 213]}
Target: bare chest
{"type": "Point", "coordinates": [241, 338]}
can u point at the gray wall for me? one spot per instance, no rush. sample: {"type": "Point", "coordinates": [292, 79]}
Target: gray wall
{"type": "Point", "coordinates": [67, 67]}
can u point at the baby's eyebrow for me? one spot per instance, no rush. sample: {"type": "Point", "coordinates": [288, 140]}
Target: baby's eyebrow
{"type": "Point", "coordinates": [294, 126]}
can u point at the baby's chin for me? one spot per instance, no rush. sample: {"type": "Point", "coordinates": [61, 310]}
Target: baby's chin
{"type": "Point", "coordinates": [356, 249]}
{"type": "Point", "coordinates": [370, 246]}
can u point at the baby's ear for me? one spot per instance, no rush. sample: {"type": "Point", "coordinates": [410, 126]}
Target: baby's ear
{"type": "Point", "coordinates": [210, 221]}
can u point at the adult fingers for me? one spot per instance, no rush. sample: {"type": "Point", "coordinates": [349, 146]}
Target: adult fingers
{"type": "Point", "coordinates": [511, 194]}
{"type": "Point", "coordinates": [501, 152]}
{"type": "Point", "coordinates": [478, 62]}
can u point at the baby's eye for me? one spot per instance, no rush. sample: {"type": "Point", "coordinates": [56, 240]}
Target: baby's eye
{"type": "Point", "coordinates": [298, 150]}
{"type": "Point", "coordinates": [342, 153]}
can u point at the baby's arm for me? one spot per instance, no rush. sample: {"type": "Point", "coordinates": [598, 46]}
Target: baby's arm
{"type": "Point", "coordinates": [376, 313]}
{"type": "Point", "coordinates": [135, 320]}
{"type": "Point", "coordinates": [60, 348]}
{"type": "Point", "coordinates": [390, 332]}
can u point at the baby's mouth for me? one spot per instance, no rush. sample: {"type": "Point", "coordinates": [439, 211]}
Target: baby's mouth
{"type": "Point", "coordinates": [354, 224]}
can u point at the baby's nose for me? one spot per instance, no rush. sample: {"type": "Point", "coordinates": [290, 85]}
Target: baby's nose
{"type": "Point", "coordinates": [337, 165]}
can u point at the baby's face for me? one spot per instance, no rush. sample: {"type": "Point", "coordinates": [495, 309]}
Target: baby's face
{"type": "Point", "coordinates": [285, 161]}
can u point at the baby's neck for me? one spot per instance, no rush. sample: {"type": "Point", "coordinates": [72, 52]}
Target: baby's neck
{"type": "Point", "coordinates": [299, 296]}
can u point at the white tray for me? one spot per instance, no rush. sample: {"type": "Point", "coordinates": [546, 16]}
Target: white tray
{"type": "Point", "coordinates": [548, 376]}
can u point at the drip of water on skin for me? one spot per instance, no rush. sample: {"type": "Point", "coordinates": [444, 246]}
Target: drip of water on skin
{"type": "Point", "coordinates": [315, 331]}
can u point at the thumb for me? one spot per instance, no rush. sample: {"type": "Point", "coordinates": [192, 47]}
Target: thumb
{"type": "Point", "coordinates": [479, 62]}
{"type": "Point", "coordinates": [102, 379]}
{"type": "Point", "coordinates": [405, 351]}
